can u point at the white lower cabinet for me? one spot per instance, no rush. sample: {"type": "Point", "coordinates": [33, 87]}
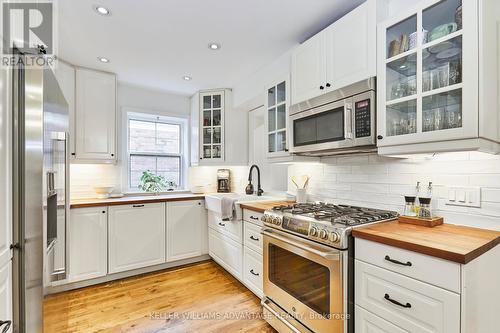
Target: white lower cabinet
{"type": "Point", "coordinates": [367, 322]}
{"type": "Point", "coordinates": [136, 236]}
{"type": "Point", "coordinates": [88, 243]}
{"type": "Point", "coordinates": [232, 228]}
{"type": "Point", "coordinates": [226, 251]}
{"type": "Point", "coordinates": [6, 295]}
{"type": "Point", "coordinates": [186, 229]}
{"type": "Point", "coordinates": [252, 271]}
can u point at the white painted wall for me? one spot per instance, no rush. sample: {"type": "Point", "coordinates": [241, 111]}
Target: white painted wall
{"type": "Point", "coordinates": [380, 182]}
{"type": "Point", "coordinates": [85, 176]}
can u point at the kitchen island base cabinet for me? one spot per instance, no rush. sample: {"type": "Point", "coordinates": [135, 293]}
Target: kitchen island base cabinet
{"type": "Point", "coordinates": [186, 229]}
{"type": "Point", "coordinates": [88, 243]}
{"type": "Point", "coordinates": [136, 236]}
{"type": "Point", "coordinates": [226, 252]}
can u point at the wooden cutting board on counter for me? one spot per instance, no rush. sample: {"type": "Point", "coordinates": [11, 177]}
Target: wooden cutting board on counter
{"type": "Point", "coordinates": [261, 206]}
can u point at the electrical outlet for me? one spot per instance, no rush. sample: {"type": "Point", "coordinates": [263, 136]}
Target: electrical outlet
{"type": "Point", "coordinates": [465, 196]}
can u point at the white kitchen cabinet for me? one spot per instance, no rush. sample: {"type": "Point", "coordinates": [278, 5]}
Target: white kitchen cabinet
{"type": "Point", "coordinates": [66, 75]}
{"type": "Point", "coordinates": [232, 228]}
{"type": "Point", "coordinates": [95, 116]}
{"type": "Point", "coordinates": [226, 252]}
{"type": "Point", "coordinates": [221, 138]}
{"type": "Point", "coordinates": [6, 295]}
{"type": "Point", "coordinates": [253, 271]}
{"type": "Point", "coordinates": [88, 243]}
{"type": "Point", "coordinates": [366, 322]}
{"type": "Point", "coordinates": [342, 54]}
{"type": "Point", "coordinates": [187, 229]}
{"type": "Point", "coordinates": [437, 78]}
{"type": "Point", "coordinates": [136, 236]}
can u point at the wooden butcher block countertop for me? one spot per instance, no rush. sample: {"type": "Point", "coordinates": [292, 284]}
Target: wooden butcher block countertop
{"type": "Point", "coordinates": [452, 242]}
{"type": "Point", "coordinates": [261, 206]}
{"type": "Point", "coordinates": [132, 200]}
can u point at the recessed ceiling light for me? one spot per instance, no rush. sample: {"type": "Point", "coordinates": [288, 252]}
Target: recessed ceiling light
{"type": "Point", "coordinates": [102, 59]}
{"type": "Point", "coordinates": [102, 10]}
{"type": "Point", "coordinates": [214, 46]}
{"type": "Point", "coordinates": [187, 78]}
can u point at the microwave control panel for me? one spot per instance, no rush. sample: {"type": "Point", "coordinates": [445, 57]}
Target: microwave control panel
{"type": "Point", "coordinates": [362, 118]}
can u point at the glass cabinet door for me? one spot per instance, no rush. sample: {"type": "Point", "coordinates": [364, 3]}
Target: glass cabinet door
{"type": "Point", "coordinates": [423, 71]}
{"type": "Point", "coordinates": [212, 125]}
{"type": "Point", "coordinates": [276, 118]}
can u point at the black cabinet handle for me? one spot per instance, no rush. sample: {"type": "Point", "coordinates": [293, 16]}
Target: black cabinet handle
{"type": "Point", "coordinates": [380, 137]}
{"type": "Point", "coordinates": [387, 297]}
{"type": "Point", "coordinates": [73, 154]}
{"type": "Point", "coordinates": [328, 85]}
{"type": "Point", "coordinates": [256, 274]}
{"type": "Point", "coordinates": [254, 218]}
{"type": "Point", "coordinates": [321, 87]}
{"type": "Point", "coordinates": [137, 206]}
{"type": "Point", "coordinates": [104, 212]}
{"type": "Point", "coordinates": [222, 224]}
{"type": "Point", "coordinates": [6, 324]}
{"type": "Point", "coordinates": [112, 155]}
{"type": "Point", "coordinates": [397, 261]}
{"type": "Point", "coordinates": [14, 246]}
{"type": "Point", "coordinates": [254, 238]}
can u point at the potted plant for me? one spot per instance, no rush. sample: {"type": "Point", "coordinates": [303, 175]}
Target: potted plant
{"type": "Point", "coordinates": [152, 183]}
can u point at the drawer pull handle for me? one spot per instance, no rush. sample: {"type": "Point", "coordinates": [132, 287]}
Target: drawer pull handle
{"type": "Point", "coordinates": [397, 261]}
{"type": "Point", "coordinates": [256, 274]}
{"type": "Point", "coordinates": [137, 206]}
{"type": "Point", "coordinates": [254, 238]}
{"type": "Point", "coordinates": [222, 224]}
{"type": "Point", "coordinates": [254, 218]}
{"type": "Point", "coordinates": [387, 297]}
{"type": "Point", "coordinates": [7, 324]}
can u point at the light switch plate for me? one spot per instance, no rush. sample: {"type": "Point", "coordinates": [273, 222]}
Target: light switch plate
{"type": "Point", "coordinates": [465, 196]}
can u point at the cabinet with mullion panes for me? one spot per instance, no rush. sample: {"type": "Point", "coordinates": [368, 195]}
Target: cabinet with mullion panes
{"type": "Point", "coordinates": [212, 125]}
{"type": "Point", "coordinates": [421, 89]}
{"type": "Point", "coordinates": [277, 111]}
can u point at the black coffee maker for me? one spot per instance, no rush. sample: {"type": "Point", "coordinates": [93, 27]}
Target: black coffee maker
{"type": "Point", "coordinates": [223, 181]}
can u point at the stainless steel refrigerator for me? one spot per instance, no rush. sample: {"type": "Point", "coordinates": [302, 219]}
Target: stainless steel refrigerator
{"type": "Point", "coordinates": [40, 191]}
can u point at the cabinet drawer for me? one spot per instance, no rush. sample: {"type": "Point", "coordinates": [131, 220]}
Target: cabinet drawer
{"type": "Point", "coordinates": [423, 267]}
{"type": "Point", "coordinates": [366, 322]}
{"type": "Point", "coordinates": [251, 216]}
{"type": "Point", "coordinates": [225, 251]}
{"type": "Point", "coordinates": [232, 228]}
{"type": "Point", "coordinates": [253, 270]}
{"type": "Point", "coordinates": [405, 302]}
{"type": "Point", "coordinates": [252, 237]}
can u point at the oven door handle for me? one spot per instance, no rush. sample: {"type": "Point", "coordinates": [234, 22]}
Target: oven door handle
{"type": "Point", "coordinates": [329, 255]}
{"type": "Point", "coordinates": [265, 304]}
{"type": "Point", "coordinates": [348, 121]}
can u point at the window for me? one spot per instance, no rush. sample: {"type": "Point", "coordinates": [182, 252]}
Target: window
{"type": "Point", "coordinates": [155, 145]}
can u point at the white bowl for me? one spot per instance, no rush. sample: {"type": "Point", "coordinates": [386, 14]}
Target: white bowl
{"type": "Point", "coordinates": [103, 191]}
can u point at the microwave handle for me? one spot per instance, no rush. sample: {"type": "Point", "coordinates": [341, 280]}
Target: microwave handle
{"type": "Point", "coordinates": [348, 121]}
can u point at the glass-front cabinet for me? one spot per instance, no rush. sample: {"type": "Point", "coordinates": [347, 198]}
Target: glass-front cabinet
{"type": "Point", "coordinates": [428, 74]}
{"type": "Point", "coordinates": [212, 125]}
{"type": "Point", "coordinates": [277, 103]}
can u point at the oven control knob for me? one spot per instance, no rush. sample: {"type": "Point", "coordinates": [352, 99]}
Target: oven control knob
{"type": "Point", "coordinates": [276, 220]}
{"type": "Point", "coordinates": [323, 234]}
{"type": "Point", "coordinates": [335, 236]}
{"type": "Point", "coordinates": [314, 231]}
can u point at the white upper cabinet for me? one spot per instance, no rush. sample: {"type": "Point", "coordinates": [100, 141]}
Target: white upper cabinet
{"type": "Point", "coordinates": [65, 75]}
{"type": "Point", "coordinates": [95, 116]}
{"type": "Point", "coordinates": [342, 54]}
{"type": "Point", "coordinates": [218, 131]}
{"type": "Point", "coordinates": [430, 61]}
{"type": "Point", "coordinates": [276, 121]}
{"type": "Point", "coordinates": [309, 69]}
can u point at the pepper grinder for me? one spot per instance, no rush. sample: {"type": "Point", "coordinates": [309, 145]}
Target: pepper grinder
{"type": "Point", "coordinates": [425, 203]}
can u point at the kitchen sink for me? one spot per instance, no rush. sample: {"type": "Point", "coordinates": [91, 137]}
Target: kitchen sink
{"type": "Point", "coordinates": [213, 202]}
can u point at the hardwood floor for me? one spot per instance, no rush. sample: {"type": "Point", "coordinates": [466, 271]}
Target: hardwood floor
{"type": "Point", "coordinates": [197, 298]}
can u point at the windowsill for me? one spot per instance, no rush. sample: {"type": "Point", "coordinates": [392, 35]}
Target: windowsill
{"type": "Point", "coordinates": [140, 193]}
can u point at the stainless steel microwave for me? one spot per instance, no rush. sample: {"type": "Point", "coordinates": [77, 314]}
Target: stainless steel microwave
{"type": "Point", "coordinates": [338, 122]}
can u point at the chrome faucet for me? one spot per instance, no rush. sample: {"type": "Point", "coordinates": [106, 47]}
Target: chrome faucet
{"type": "Point", "coordinates": [250, 189]}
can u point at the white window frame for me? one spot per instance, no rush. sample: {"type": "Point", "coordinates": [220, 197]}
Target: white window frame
{"type": "Point", "coordinates": [151, 116]}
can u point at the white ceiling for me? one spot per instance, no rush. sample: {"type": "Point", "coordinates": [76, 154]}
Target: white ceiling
{"type": "Point", "coordinates": [154, 43]}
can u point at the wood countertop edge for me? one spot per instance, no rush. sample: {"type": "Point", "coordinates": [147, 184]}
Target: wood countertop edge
{"type": "Point", "coordinates": [133, 201]}
{"type": "Point", "coordinates": [256, 206]}
{"type": "Point", "coordinates": [427, 250]}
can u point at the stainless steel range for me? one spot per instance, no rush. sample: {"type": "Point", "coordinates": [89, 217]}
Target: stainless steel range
{"type": "Point", "coordinates": [309, 265]}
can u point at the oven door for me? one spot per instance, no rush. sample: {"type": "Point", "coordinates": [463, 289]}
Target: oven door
{"type": "Point", "coordinates": [306, 280]}
{"type": "Point", "coordinates": [326, 127]}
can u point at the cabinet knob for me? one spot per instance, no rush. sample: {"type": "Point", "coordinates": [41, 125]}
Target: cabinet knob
{"type": "Point", "coordinates": [112, 155]}
{"type": "Point", "coordinates": [380, 137]}
{"type": "Point", "coordinates": [104, 212]}
{"type": "Point", "coordinates": [321, 87]}
{"type": "Point", "coordinates": [73, 154]}
{"type": "Point", "coordinates": [328, 85]}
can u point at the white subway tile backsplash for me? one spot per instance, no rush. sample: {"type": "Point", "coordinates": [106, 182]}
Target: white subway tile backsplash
{"type": "Point", "coordinates": [380, 182]}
